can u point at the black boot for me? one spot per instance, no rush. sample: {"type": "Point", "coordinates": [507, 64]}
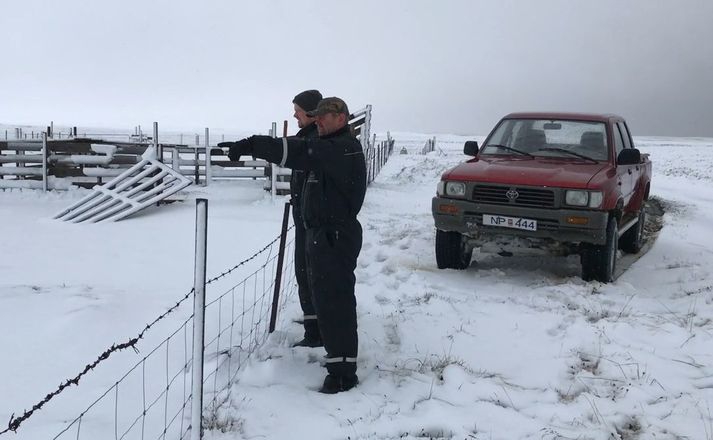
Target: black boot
{"type": "Point", "coordinates": [334, 384]}
{"type": "Point", "coordinates": [309, 342]}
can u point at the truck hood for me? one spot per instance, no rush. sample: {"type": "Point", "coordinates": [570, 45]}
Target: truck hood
{"type": "Point", "coordinates": [526, 171]}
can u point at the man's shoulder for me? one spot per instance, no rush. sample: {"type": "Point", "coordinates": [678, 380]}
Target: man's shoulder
{"type": "Point", "coordinates": [350, 141]}
{"type": "Point", "coordinates": [308, 132]}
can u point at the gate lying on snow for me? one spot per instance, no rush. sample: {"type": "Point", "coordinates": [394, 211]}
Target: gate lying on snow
{"type": "Point", "coordinates": [142, 185]}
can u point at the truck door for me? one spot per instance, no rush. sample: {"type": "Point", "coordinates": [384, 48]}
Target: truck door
{"type": "Point", "coordinates": [625, 173]}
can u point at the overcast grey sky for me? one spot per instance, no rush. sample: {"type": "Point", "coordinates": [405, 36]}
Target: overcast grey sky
{"type": "Point", "coordinates": [425, 66]}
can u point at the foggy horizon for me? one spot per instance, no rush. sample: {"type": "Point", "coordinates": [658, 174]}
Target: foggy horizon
{"type": "Point", "coordinates": [455, 67]}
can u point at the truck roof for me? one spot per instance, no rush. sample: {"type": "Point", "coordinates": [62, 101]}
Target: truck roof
{"type": "Point", "coordinates": [564, 115]}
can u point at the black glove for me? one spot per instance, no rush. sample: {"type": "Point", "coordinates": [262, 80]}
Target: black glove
{"type": "Point", "coordinates": [243, 147]}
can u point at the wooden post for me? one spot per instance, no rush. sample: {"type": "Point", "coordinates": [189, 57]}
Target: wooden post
{"type": "Point", "coordinates": [278, 275]}
{"type": "Point", "coordinates": [273, 167]}
{"type": "Point", "coordinates": [196, 174]}
{"type": "Point", "coordinates": [158, 149]}
{"type": "Point", "coordinates": [208, 171]}
{"type": "Point", "coordinates": [44, 162]}
{"type": "Point", "coordinates": [175, 156]}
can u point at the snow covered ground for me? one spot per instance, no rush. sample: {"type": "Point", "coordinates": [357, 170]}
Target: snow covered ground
{"type": "Point", "coordinates": [512, 348]}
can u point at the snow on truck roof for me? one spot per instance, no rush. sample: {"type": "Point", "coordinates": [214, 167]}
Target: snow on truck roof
{"type": "Point", "coordinates": [564, 115]}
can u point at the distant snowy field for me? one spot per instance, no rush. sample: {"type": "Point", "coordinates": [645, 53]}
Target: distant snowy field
{"type": "Point", "coordinates": [512, 348]}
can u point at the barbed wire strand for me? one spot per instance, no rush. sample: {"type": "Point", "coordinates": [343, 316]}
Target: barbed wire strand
{"type": "Point", "coordinates": [15, 422]}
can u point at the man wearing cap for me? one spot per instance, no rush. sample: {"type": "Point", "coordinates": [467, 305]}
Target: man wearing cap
{"type": "Point", "coordinates": [303, 103]}
{"type": "Point", "coordinates": [332, 196]}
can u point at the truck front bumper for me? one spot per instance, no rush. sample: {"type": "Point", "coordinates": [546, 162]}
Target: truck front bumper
{"type": "Point", "coordinates": [563, 225]}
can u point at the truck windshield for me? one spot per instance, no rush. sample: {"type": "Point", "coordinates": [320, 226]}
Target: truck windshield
{"type": "Point", "coordinates": [549, 138]}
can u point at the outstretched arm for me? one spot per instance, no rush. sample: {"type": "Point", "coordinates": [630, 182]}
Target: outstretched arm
{"type": "Point", "coordinates": [292, 152]}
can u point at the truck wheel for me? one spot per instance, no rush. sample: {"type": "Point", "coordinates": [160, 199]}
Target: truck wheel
{"type": "Point", "coordinates": [599, 261]}
{"type": "Point", "coordinates": [451, 251]}
{"type": "Point", "coordinates": [632, 240]}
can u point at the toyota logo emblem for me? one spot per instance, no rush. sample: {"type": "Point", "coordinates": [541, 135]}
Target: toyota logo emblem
{"type": "Point", "coordinates": [512, 194]}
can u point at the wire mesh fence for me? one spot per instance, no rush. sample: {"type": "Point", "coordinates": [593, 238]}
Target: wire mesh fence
{"type": "Point", "coordinates": [376, 156]}
{"type": "Point", "coordinates": [150, 401]}
{"type": "Point", "coordinates": [238, 325]}
{"type": "Point", "coordinates": [153, 399]}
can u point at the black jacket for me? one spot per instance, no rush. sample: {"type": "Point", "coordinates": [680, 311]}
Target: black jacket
{"type": "Point", "coordinates": [335, 173]}
{"type": "Point", "coordinates": [297, 179]}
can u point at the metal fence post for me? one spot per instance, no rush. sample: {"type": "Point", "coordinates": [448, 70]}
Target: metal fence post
{"type": "Point", "coordinates": [278, 275]}
{"type": "Point", "coordinates": [208, 173]}
{"type": "Point", "coordinates": [199, 318]}
{"type": "Point", "coordinates": [44, 162]}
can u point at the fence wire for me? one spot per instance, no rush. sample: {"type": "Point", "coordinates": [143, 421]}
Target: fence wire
{"type": "Point", "coordinates": [240, 319]}
{"type": "Point", "coordinates": [376, 157]}
{"type": "Point", "coordinates": [153, 399]}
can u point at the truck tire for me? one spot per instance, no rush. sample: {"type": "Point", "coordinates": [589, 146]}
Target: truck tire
{"type": "Point", "coordinates": [599, 261]}
{"type": "Point", "coordinates": [451, 251]}
{"type": "Point", "coordinates": [632, 240]}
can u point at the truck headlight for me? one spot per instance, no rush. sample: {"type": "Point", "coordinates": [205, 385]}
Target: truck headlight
{"type": "Point", "coordinates": [592, 199]}
{"type": "Point", "coordinates": [439, 189]}
{"type": "Point", "coordinates": [595, 199]}
{"type": "Point", "coordinates": [576, 198]}
{"type": "Point", "coordinates": [455, 189]}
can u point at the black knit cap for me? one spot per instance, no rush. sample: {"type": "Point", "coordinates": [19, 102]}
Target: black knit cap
{"type": "Point", "coordinates": [308, 99]}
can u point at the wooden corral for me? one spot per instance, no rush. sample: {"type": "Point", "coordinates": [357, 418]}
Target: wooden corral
{"type": "Point", "coordinates": [86, 162]}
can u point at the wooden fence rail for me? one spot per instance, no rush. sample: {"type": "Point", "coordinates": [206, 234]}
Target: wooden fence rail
{"type": "Point", "coordinates": [86, 162]}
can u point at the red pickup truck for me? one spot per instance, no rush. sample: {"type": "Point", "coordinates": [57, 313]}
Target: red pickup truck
{"type": "Point", "coordinates": [565, 180]}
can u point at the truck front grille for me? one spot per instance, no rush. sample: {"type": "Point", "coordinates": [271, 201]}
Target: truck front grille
{"type": "Point", "coordinates": [498, 195]}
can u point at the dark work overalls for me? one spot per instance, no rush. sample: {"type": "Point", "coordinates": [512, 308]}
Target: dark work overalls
{"type": "Point", "coordinates": [305, 294]}
{"type": "Point", "coordinates": [333, 193]}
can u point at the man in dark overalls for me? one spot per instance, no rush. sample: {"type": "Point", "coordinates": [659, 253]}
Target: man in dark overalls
{"type": "Point", "coordinates": [303, 103]}
{"type": "Point", "coordinates": [332, 196]}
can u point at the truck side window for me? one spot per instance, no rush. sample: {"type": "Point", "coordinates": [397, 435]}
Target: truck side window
{"type": "Point", "coordinates": [624, 134]}
{"type": "Point", "coordinates": [618, 140]}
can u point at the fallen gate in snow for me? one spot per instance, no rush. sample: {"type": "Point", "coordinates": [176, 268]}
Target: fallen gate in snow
{"type": "Point", "coordinates": [142, 185]}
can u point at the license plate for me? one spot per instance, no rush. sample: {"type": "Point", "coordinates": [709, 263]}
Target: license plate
{"type": "Point", "coordinates": [510, 222]}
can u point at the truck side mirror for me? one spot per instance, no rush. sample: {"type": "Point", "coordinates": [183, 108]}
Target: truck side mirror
{"type": "Point", "coordinates": [629, 156]}
{"type": "Point", "coordinates": [471, 148]}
